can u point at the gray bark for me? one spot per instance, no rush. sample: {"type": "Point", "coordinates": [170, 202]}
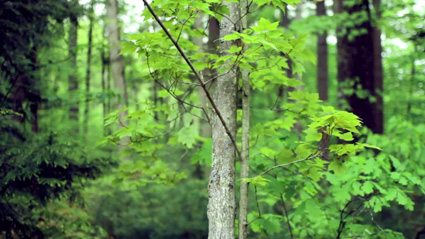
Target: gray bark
{"type": "Point", "coordinates": [221, 188]}
{"type": "Point", "coordinates": [243, 201]}
{"type": "Point", "coordinates": [117, 64]}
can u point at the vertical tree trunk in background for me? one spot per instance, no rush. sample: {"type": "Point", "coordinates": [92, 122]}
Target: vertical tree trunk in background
{"type": "Point", "coordinates": [244, 188]}
{"type": "Point", "coordinates": [221, 187]}
{"type": "Point", "coordinates": [298, 11]}
{"type": "Point", "coordinates": [88, 69]}
{"type": "Point", "coordinates": [105, 73]}
{"type": "Point", "coordinates": [34, 95]}
{"type": "Point", "coordinates": [25, 89]}
{"type": "Point", "coordinates": [205, 128]}
{"type": "Point", "coordinates": [322, 56]}
{"type": "Point", "coordinates": [411, 85]}
{"type": "Point", "coordinates": [103, 82]}
{"type": "Point", "coordinates": [341, 54]}
{"type": "Point", "coordinates": [285, 21]}
{"type": "Point", "coordinates": [378, 70]}
{"type": "Point", "coordinates": [72, 52]}
{"type": "Point", "coordinates": [356, 66]}
{"type": "Point", "coordinates": [213, 44]}
{"type": "Point", "coordinates": [117, 64]}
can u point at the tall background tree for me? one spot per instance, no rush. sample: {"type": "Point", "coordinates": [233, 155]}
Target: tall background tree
{"type": "Point", "coordinates": [320, 180]}
{"type": "Point", "coordinates": [359, 65]}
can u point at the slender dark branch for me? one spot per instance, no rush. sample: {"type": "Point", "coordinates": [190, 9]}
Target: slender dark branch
{"type": "Point", "coordinates": [198, 77]}
{"type": "Point", "coordinates": [239, 57]}
{"type": "Point", "coordinates": [342, 221]}
{"type": "Point", "coordinates": [183, 24]}
{"type": "Point", "coordinates": [11, 87]}
{"type": "Point", "coordinates": [258, 205]}
{"type": "Point", "coordinates": [246, 12]}
{"type": "Point", "coordinates": [181, 101]}
{"type": "Point", "coordinates": [286, 215]}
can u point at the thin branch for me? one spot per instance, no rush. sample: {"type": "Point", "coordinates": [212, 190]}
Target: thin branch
{"type": "Point", "coordinates": [258, 205]}
{"type": "Point", "coordinates": [286, 215]}
{"type": "Point", "coordinates": [182, 102]}
{"type": "Point", "coordinates": [183, 24]}
{"type": "Point", "coordinates": [311, 156]}
{"type": "Point", "coordinates": [342, 223]}
{"type": "Point", "coordinates": [198, 77]}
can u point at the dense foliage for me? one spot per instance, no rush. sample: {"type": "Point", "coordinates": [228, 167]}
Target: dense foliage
{"type": "Point", "coordinates": [82, 157]}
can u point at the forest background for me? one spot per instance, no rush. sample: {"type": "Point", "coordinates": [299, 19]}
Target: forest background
{"type": "Point", "coordinates": [207, 118]}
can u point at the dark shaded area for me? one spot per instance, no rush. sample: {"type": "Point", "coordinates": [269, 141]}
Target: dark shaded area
{"type": "Point", "coordinates": [359, 81]}
{"type": "Point", "coordinates": [38, 169]}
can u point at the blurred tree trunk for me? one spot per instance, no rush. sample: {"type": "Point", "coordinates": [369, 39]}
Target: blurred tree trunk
{"type": "Point", "coordinates": [203, 124]}
{"type": "Point", "coordinates": [72, 78]}
{"type": "Point", "coordinates": [378, 70]}
{"type": "Point", "coordinates": [338, 9]}
{"type": "Point", "coordinates": [299, 11]}
{"type": "Point", "coordinates": [411, 84]}
{"type": "Point", "coordinates": [103, 81]}
{"type": "Point", "coordinates": [25, 90]}
{"type": "Point", "coordinates": [34, 94]}
{"type": "Point", "coordinates": [117, 65]}
{"type": "Point", "coordinates": [356, 68]}
{"type": "Point", "coordinates": [205, 128]}
{"type": "Point", "coordinates": [221, 188]}
{"type": "Point", "coordinates": [88, 69]}
{"type": "Point", "coordinates": [244, 188]}
{"type": "Point", "coordinates": [322, 56]}
{"type": "Point", "coordinates": [285, 21]}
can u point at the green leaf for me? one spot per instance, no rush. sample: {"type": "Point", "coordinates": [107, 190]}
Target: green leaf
{"type": "Point", "coordinates": [265, 25]}
{"type": "Point", "coordinates": [259, 180]}
{"type": "Point", "coordinates": [231, 37]}
{"type": "Point", "coordinates": [337, 166]}
{"type": "Point", "coordinates": [234, 49]}
{"type": "Point", "coordinates": [314, 174]}
{"type": "Point", "coordinates": [187, 135]}
{"type": "Point", "coordinates": [272, 225]}
{"type": "Point", "coordinates": [285, 156]}
{"type": "Point", "coordinates": [367, 187]}
{"type": "Point", "coordinates": [203, 156]}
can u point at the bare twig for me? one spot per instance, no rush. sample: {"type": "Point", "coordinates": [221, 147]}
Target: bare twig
{"type": "Point", "coordinates": [181, 101]}
{"type": "Point", "coordinates": [311, 156]}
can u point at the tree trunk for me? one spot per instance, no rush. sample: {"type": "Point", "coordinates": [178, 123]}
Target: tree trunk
{"type": "Point", "coordinates": [285, 21]}
{"type": "Point", "coordinates": [299, 11]}
{"type": "Point", "coordinates": [338, 9]}
{"type": "Point", "coordinates": [72, 52]}
{"type": "Point", "coordinates": [244, 188]}
{"type": "Point", "coordinates": [378, 71]}
{"type": "Point", "coordinates": [117, 65]}
{"type": "Point", "coordinates": [221, 188]}
{"type": "Point", "coordinates": [88, 69]}
{"type": "Point", "coordinates": [103, 82]}
{"type": "Point", "coordinates": [356, 69]}
{"type": "Point", "coordinates": [411, 86]}
{"type": "Point", "coordinates": [322, 56]}
{"type": "Point", "coordinates": [24, 90]}
{"type": "Point", "coordinates": [34, 97]}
